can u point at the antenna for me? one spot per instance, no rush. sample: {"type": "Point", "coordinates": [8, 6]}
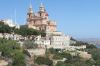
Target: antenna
{"type": "Point", "coordinates": [15, 16]}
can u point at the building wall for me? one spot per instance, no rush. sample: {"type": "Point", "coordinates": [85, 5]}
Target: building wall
{"type": "Point", "coordinates": [60, 40]}
{"type": "Point", "coordinates": [42, 41]}
{"type": "Point", "coordinates": [37, 52]}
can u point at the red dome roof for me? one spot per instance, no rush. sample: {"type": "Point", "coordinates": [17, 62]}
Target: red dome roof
{"type": "Point", "coordinates": [46, 14]}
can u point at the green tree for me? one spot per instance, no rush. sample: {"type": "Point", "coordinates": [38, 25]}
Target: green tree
{"type": "Point", "coordinates": [11, 49]}
{"type": "Point", "coordinates": [43, 60]}
{"type": "Point", "coordinates": [8, 47]}
{"type": "Point", "coordinates": [4, 28]}
{"type": "Point", "coordinates": [90, 62]}
{"type": "Point", "coordinates": [29, 44]}
{"type": "Point", "coordinates": [18, 59]}
{"type": "Point", "coordinates": [52, 51]}
{"type": "Point", "coordinates": [25, 31]}
{"type": "Point", "coordinates": [88, 46]}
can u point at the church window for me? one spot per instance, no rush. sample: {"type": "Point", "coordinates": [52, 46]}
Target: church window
{"type": "Point", "coordinates": [40, 14]}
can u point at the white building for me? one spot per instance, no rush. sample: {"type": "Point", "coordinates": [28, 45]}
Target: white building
{"type": "Point", "coordinates": [10, 23]}
{"type": "Point", "coordinates": [72, 48]}
{"type": "Point", "coordinates": [55, 40]}
{"type": "Point", "coordinates": [60, 40]}
{"type": "Point", "coordinates": [42, 40]}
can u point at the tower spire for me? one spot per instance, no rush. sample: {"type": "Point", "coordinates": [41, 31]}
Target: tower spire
{"type": "Point", "coordinates": [30, 13]}
{"type": "Point", "coordinates": [30, 4]}
{"type": "Point", "coordinates": [42, 8]}
{"type": "Point", "coordinates": [30, 7]}
{"type": "Point", "coordinates": [41, 5]}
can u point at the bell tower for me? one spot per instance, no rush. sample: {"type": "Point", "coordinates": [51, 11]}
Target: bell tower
{"type": "Point", "coordinates": [42, 12]}
{"type": "Point", "coordinates": [30, 14]}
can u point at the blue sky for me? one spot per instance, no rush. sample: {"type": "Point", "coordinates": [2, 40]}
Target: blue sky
{"type": "Point", "coordinates": [78, 18]}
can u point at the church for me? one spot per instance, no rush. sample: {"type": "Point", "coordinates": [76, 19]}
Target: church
{"type": "Point", "coordinates": [40, 20]}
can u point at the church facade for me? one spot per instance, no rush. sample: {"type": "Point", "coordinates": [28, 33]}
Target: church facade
{"type": "Point", "coordinates": [40, 20]}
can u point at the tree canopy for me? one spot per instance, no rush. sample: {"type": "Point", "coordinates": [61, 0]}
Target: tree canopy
{"type": "Point", "coordinates": [43, 60]}
{"type": "Point", "coordinates": [25, 31]}
{"type": "Point", "coordinates": [29, 44]}
{"type": "Point", "coordinates": [11, 49]}
{"type": "Point", "coordinates": [4, 28]}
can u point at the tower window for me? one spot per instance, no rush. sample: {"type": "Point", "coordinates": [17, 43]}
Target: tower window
{"type": "Point", "coordinates": [40, 14]}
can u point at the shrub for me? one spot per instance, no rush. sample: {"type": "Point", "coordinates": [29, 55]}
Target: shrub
{"type": "Point", "coordinates": [43, 60]}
